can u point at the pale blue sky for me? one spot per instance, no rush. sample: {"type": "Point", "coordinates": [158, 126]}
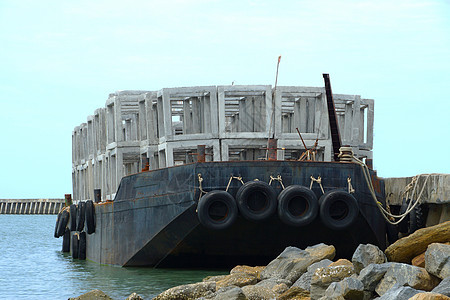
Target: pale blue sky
{"type": "Point", "coordinates": [59, 60]}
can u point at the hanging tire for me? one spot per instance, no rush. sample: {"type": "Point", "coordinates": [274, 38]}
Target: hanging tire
{"type": "Point", "coordinates": [81, 215]}
{"type": "Point", "coordinates": [82, 246]}
{"type": "Point", "coordinates": [297, 205]}
{"type": "Point", "coordinates": [73, 217]}
{"type": "Point", "coordinates": [392, 233]}
{"type": "Point", "coordinates": [90, 217]}
{"type": "Point", "coordinates": [217, 210]}
{"type": "Point", "coordinates": [63, 223]}
{"type": "Point", "coordinates": [417, 218]}
{"type": "Point", "coordinates": [256, 200]}
{"type": "Point", "coordinates": [403, 226]}
{"type": "Point", "coordinates": [338, 209]}
{"type": "Point", "coordinates": [58, 219]}
{"type": "Point", "coordinates": [75, 246]}
{"type": "Point", "coordinates": [66, 241]}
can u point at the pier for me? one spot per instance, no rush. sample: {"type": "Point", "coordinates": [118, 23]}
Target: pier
{"type": "Point", "coordinates": [31, 206]}
{"type": "Point", "coordinates": [146, 130]}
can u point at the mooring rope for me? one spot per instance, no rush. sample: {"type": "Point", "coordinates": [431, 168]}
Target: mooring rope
{"type": "Point", "coordinates": [278, 178]}
{"type": "Point", "coordinates": [318, 180]}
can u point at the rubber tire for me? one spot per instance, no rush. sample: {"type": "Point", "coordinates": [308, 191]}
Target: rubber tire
{"type": "Point", "coordinates": [58, 219]}
{"type": "Point", "coordinates": [246, 194]}
{"type": "Point", "coordinates": [75, 242]}
{"type": "Point", "coordinates": [81, 216]}
{"type": "Point", "coordinates": [416, 219]}
{"type": "Point", "coordinates": [205, 204]}
{"type": "Point", "coordinates": [329, 199]}
{"type": "Point", "coordinates": [82, 246]}
{"type": "Point", "coordinates": [90, 217]}
{"type": "Point", "coordinates": [403, 226]}
{"type": "Point", "coordinates": [66, 241]}
{"type": "Point", "coordinates": [63, 223]}
{"type": "Point", "coordinates": [73, 217]}
{"type": "Point", "coordinates": [299, 194]}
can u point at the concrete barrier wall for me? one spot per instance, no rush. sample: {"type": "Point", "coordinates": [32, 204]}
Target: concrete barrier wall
{"type": "Point", "coordinates": [31, 206]}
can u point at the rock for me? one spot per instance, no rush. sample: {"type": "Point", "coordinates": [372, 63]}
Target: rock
{"type": "Point", "coordinates": [134, 296]}
{"type": "Point", "coordinates": [443, 287]}
{"type": "Point", "coordinates": [93, 295]}
{"type": "Point", "coordinates": [403, 274]}
{"type": "Point", "coordinates": [419, 260]}
{"type": "Point", "coordinates": [399, 293]}
{"type": "Point", "coordinates": [188, 291]}
{"type": "Point", "coordinates": [323, 277]}
{"type": "Point", "coordinates": [277, 286]}
{"type": "Point", "coordinates": [349, 288]}
{"type": "Point", "coordinates": [437, 260]}
{"type": "Point", "coordinates": [293, 262]}
{"type": "Point", "coordinates": [255, 271]}
{"type": "Point", "coordinates": [253, 292]}
{"type": "Point", "coordinates": [228, 293]}
{"type": "Point", "coordinates": [405, 249]}
{"type": "Point", "coordinates": [236, 279]}
{"type": "Point", "coordinates": [365, 255]}
{"type": "Point", "coordinates": [372, 274]}
{"type": "Point", "coordinates": [429, 296]}
{"type": "Point", "coordinates": [304, 281]}
{"type": "Point", "coordinates": [214, 278]}
{"type": "Point", "coordinates": [295, 293]}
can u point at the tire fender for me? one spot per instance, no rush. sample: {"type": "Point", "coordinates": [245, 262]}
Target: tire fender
{"type": "Point", "coordinates": [82, 246]}
{"type": "Point", "coordinates": [74, 245]}
{"type": "Point", "coordinates": [81, 216]}
{"type": "Point", "coordinates": [63, 223]}
{"type": "Point", "coordinates": [256, 200]}
{"type": "Point", "coordinates": [217, 210]}
{"type": "Point", "coordinates": [297, 205]}
{"type": "Point", "coordinates": [73, 217]}
{"type": "Point", "coordinates": [338, 209]}
{"type": "Point", "coordinates": [90, 217]}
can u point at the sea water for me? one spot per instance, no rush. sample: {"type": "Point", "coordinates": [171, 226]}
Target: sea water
{"type": "Point", "coordinates": [32, 266]}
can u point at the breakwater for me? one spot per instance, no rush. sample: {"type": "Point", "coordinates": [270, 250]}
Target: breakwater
{"type": "Point", "coordinates": [31, 206]}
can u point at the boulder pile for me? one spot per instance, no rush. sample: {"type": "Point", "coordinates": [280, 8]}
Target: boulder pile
{"type": "Point", "coordinates": [398, 273]}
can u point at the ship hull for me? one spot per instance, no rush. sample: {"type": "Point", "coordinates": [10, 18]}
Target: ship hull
{"type": "Point", "coordinates": [153, 220]}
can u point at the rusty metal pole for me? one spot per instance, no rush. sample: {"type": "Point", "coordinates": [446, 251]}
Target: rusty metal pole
{"type": "Point", "coordinates": [67, 199]}
{"type": "Point", "coordinates": [201, 154]}
{"type": "Point", "coordinates": [273, 145]}
{"type": "Point", "coordinates": [145, 163]}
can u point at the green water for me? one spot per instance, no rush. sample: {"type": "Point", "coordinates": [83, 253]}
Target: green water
{"type": "Point", "coordinates": [32, 266]}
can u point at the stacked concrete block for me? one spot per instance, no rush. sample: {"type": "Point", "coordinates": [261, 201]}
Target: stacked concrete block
{"type": "Point", "coordinates": [244, 121]}
{"type": "Point", "coordinates": [305, 109]}
{"type": "Point", "coordinates": [146, 130]}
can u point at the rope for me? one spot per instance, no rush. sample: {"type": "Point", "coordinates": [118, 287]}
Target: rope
{"type": "Point", "coordinates": [351, 190]}
{"type": "Point", "coordinates": [231, 178]}
{"type": "Point", "coordinates": [318, 180]}
{"type": "Point", "coordinates": [278, 178]}
{"type": "Point", "coordinates": [387, 215]}
{"type": "Point", "coordinates": [200, 179]}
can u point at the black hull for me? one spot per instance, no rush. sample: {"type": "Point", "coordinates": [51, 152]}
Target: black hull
{"type": "Point", "coordinates": [153, 220]}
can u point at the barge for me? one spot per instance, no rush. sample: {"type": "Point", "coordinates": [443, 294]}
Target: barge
{"type": "Point", "coordinates": [227, 175]}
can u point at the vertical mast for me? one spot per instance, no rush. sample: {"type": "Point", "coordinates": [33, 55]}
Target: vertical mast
{"type": "Point", "coordinates": [335, 136]}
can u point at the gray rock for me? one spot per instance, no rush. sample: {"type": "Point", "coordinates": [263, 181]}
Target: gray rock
{"type": "Point", "coordinates": [349, 288]}
{"type": "Point", "coordinates": [271, 282]}
{"type": "Point", "coordinates": [437, 260]}
{"type": "Point", "coordinates": [304, 281]}
{"type": "Point", "coordinates": [134, 296]}
{"type": "Point", "coordinates": [293, 262]}
{"type": "Point", "coordinates": [188, 291]}
{"type": "Point", "coordinates": [94, 294]}
{"type": "Point", "coordinates": [443, 287]}
{"type": "Point", "coordinates": [365, 255]}
{"type": "Point", "coordinates": [253, 292]}
{"type": "Point", "coordinates": [402, 275]}
{"type": "Point", "coordinates": [228, 293]}
{"type": "Point", "coordinates": [323, 277]}
{"type": "Point", "coordinates": [372, 274]}
{"type": "Point", "coordinates": [399, 293]}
